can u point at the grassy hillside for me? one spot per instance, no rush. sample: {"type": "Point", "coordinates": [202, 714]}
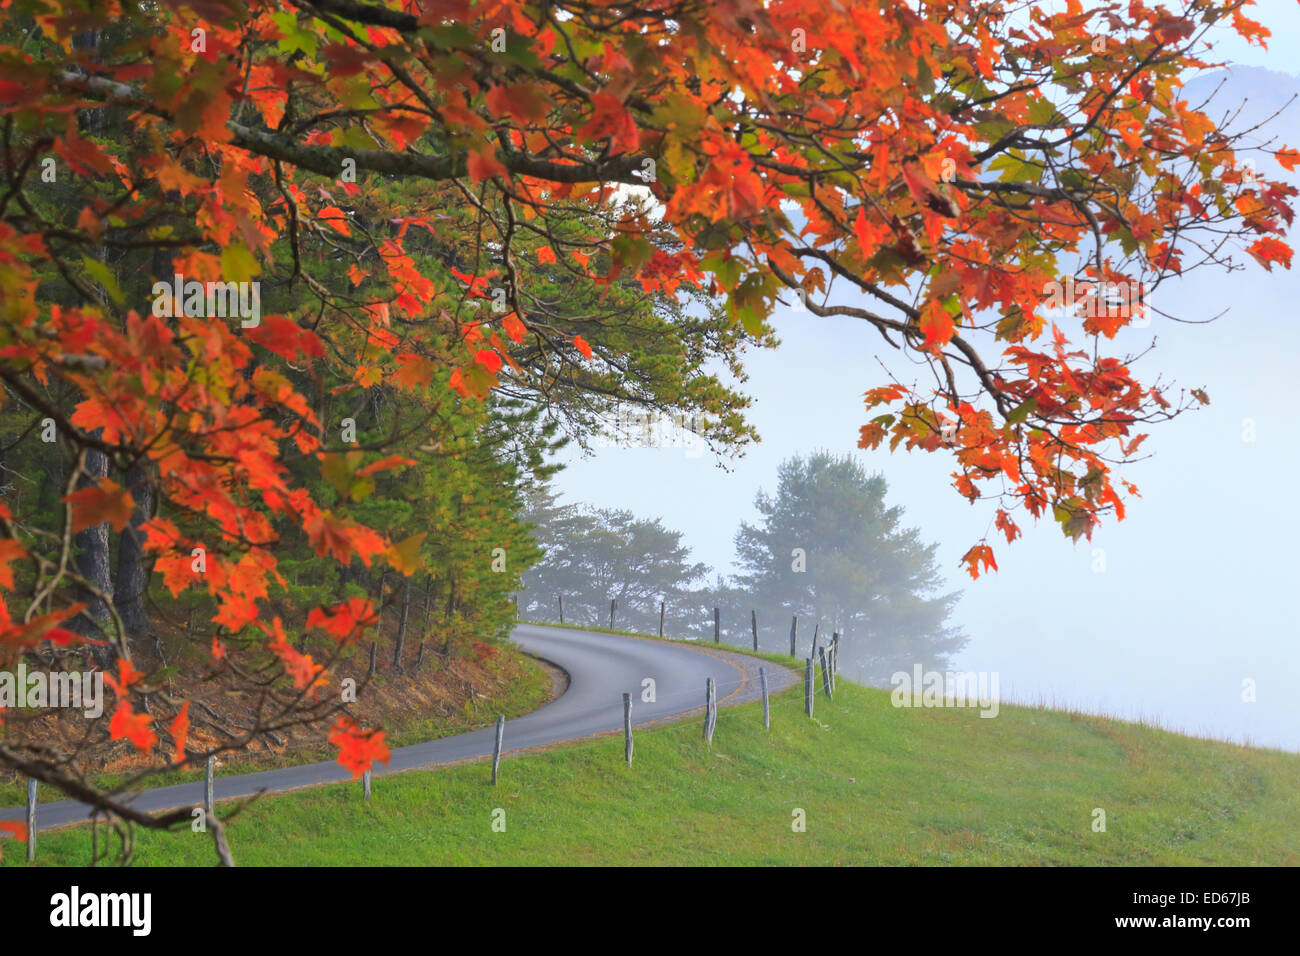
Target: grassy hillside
{"type": "Point", "coordinates": [879, 785]}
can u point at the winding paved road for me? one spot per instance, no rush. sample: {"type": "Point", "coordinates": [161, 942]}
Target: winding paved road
{"type": "Point", "coordinates": [601, 667]}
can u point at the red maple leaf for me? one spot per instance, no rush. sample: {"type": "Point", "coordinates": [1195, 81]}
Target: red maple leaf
{"type": "Point", "coordinates": [1269, 250]}
{"type": "Point", "coordinates": [979, 554]}
{"type": "Point", "coordinates": [106, 501]}
{"type": "Point", "coordinates": [358, 749]}
{"type": "Point", "coordinates": [134, 727]}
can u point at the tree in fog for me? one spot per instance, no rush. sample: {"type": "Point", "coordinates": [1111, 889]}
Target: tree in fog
{"type": "Point", "coordinates": [829, 549]}
{"type": "Point", "coordinates": [595, 554]}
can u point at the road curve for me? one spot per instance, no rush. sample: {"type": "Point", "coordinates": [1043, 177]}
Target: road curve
{"type": "Point", "coordinates": [601, 668]}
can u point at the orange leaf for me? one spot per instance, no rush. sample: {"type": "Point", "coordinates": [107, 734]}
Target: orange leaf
{"type": "Point", "coordinates": [519, 101]}
{"type": "Point", "coordinates": [384, 464]}
{"type": "Point", "coordinates": [134, 727]}
{"type": "Point", "coordinates": [177, 570]}
{"type": "Point", "coordinates": [1269, 250]}
{"type": "Point", "coordinates": [286, 338]}
{"type": "Point", "coordinates": [514, 328]}
{"type": "Point", "coordinates": [489, 359]}
{"type": "Point", "coordinates": [415, 371]}
{"type": "Point", "coordinates": [336, 218]}
{"type": "Point", "coordinates": [980, 554]}
{"type": "Point", "coordinates": [610, 118]}
{"type": "Point", "coordinates": [582, 345]}
{"type": "Point", "coordinates": [925, 192]}
{"type": "Point", "coordinates": [126, 676]}
{"type": "Point", "coordinates": [10, 550]}
{"type": "Point", "coordinates": [358, 749]}
{"type": "Point", "coordinates": [107, 501]}
{"type": "Point", "coordinates": [937, 325]}
{"type": "Point", "coordinates": [343, 620]}
{"type": "Point", "coordinates": [484, 165]}
{"type": "Point", "coordinates": [306, 673]}
{"type": "Point", "coordinates": [180, 729]}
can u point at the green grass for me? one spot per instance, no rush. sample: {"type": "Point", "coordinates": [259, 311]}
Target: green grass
{"type": "Point", "coordinates": [879, 785]}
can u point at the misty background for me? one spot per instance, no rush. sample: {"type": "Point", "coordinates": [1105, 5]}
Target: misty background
{"type": "Point", "coordinates": [1197, 587]}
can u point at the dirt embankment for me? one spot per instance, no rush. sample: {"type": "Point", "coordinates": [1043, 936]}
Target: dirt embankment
{"type": "Point", "coordinates": [445, 694]}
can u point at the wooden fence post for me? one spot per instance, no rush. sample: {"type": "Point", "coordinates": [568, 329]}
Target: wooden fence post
{"type": "Point", "coordinates": [835, 657]}
{"type": "Point", "coordinates": [808, 688]}
{"type": "Point", "coordinates": [710, 709]}
{"type": "Point", "coordinates": [816, 630]}
{"type": "Point", "coordinates": [561, 597]}
{"type": "Point", "coordinates": [767, 710]}
{"type": "Point", "coordinates": [31, 819]}
{"type": "Point", "coordinates": [209, 775]}
{"type": "Point", "coordinates": [717, 626]}
{"type": "Point", "coordinates": [661, 618]}
{"type": "Point", "coordinates": [612, 603]}
{"type": "Point", "coordinates": [826, 674]}
{"type": "Point", "coordinates": [365, 783]}
{"type": "Point", "coordinates": [753, 626]}
{"type": "Point", "coordinates": [627, 728]}
{"type": "Point", "coordinates": [496, 747]}
{"type": "Point", "coordinates": [794, 627]}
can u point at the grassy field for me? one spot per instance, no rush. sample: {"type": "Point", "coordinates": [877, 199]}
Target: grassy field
{"type": "Point", "coordinates": [877, 784]}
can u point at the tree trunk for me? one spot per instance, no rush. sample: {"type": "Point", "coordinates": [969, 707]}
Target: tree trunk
{"type": "Point", "coordinates": [132, 572]}
{"type": "Point", "coordinates": [451, 604]}
{"type": "Point", "coordinates": [424, 629]}
{"type": "Point", "coordinates": [400, 644]}
{"type": "Point", "coordinates": [93, 565]}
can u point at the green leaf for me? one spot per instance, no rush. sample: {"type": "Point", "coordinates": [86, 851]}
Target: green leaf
{"type": "Point", "coordinates": [924, 78]}
{"type": "Point", "coordinates": [340, 471]}
{"type": "Point", "coordinates": [1015, 170]}
{"type": "Point", "coordinates": [1041, 112]}
{"type": "Point", "coordinates": [104, 276]}
{"type": "Point", "coordinates": [994, 130]}
{"type": "Point", "coordinates": [1021, 411]}
{"type": "Point", "coordinates": [238, 264]}
{"type": "Point", "coordinates": [292, 36]}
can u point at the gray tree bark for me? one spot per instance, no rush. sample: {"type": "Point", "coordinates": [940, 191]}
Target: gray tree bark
{"type": "Point", "coordinates": [400, 644]}
{"type": "Point", "coordinates": [92, 563]}
{"type": "Point", "coordinates": [132, 569]}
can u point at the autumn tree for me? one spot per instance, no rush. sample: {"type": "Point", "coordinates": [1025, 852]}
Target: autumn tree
{"type": "Point", "coordinates": [936, 170]}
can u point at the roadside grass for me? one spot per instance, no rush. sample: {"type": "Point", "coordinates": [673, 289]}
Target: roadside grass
{"type": "Point", "coordinates": [878, 785]}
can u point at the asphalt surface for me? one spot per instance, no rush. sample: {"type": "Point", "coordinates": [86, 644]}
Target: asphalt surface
{"type": "Point", "coordinates": [600, 667]}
